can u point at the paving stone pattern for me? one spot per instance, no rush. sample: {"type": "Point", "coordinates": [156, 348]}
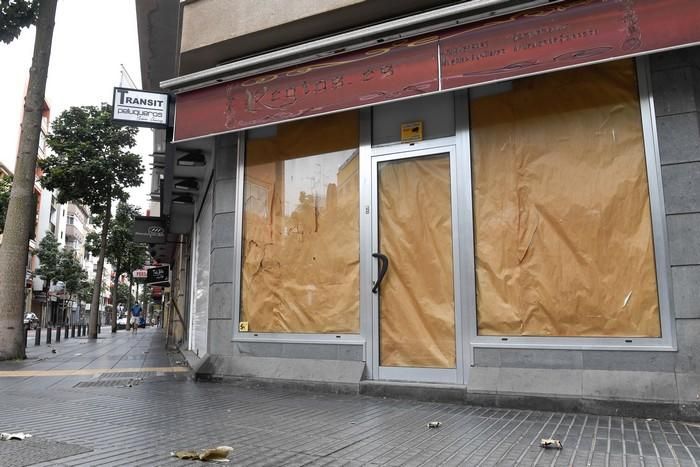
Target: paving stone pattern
{"type": "Point", "coordinates": [33, 451]}
{"type": "Point", "coordinates": [143, 424]}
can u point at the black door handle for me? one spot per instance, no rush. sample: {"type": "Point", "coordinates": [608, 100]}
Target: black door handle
{"type": "Point", "coordinates": [383, 266]}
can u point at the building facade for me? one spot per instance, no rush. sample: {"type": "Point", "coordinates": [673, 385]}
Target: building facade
{"type": "Point", "coordinates": [494, 202]}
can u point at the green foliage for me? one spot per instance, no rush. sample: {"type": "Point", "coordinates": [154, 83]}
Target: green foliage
{"type": "Point", "coordinates": [123, 294]}
{"type": "Point", "coordinates": [49, 258]}
{"type": "Point", "coordinates": [5, 188]}
{"type": "Point", "coordinates": [85, 289]}
{"type": "Point", "coordinates": [70, 271]}
{"type": "Point", "coordinates": [144, 295]}
{"type": "Point", "coordinates": [60, 265]}
{"type": "Point", "coordinates": [91, 164]}
{"type": "Point", "coordinates": [14, 16]}
{"type": "Point", "coordinates": [121, 251]}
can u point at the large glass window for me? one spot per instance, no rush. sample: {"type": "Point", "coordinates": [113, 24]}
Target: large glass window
{"type": "Point", "coordinates": [563, 236]}
{"type": "Point", "coordinates": [300, 250]}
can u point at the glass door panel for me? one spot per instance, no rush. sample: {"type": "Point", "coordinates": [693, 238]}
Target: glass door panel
{"type": "Point", "coordinates": [416, 308]}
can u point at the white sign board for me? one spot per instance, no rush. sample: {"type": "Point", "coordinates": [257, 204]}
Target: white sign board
{"type": "Point", "coordinates": [140, 108]}
{"type": "Point", "coordinates": [140, 274]}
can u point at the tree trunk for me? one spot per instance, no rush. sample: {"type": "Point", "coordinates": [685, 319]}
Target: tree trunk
{"type": "Point", "coordinates": [129, 302]}
{"type": "Point", "coordinates": [19, 220]}
{"type": "Point", "coordinates": [95, 303]}
{"type": "Point", "coordinates": [45, 316]}
{"type": "Point", "coordinates": [116, 298]}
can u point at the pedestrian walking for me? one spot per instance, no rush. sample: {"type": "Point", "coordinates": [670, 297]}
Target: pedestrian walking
{"type": "Point", "coordinates": [135, 317]}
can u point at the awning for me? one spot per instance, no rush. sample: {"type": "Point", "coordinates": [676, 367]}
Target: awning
{"type": "Point", "coordinates": [565, 35]}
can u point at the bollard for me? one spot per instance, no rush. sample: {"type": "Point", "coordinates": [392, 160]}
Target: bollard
{"type": "Point", "coordinates": [66, 335]}
{"type": "Point", "coordinates": [72, 331]}
{"type": "Point", "coordinates": [37, 335]}
{"type": "Point", "coordinates": [99, 329]}
{"type": "Point", "coordinates": [26, 334]}
{"type": "Point", "coordinates": [58, 334]}
{"type": "Point", "coordinates": [48, 335]}
{"type": "Point", "coordinates": [83, 326]}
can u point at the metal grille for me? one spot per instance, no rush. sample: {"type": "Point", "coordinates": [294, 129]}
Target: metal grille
{"type": "Point", "coordinates": [127, 374]}
{"type": "Point", "coordinates": [111, 383]}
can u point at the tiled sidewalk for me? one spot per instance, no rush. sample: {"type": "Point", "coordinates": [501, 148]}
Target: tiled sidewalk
{"type": "Point", "coordinates": [144, 408]}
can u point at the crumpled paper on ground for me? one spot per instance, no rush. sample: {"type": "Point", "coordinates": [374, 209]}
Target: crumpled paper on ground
{"type": "Point", "coordinates": [217, 454]}
{"type": "Point", "coordinates": [13, 436]}
{"type": "Point", "coordinates": [549, 443]}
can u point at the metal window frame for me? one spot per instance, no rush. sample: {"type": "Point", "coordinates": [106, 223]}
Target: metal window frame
{"type": "Point", "coordinates": [276, 337]}
{"type": "Point", "coordinates": [397, 152]}
{"type": "Point", "coordinates": [667, 341]}
{"type": "Point", "coordinates": [463, 219]}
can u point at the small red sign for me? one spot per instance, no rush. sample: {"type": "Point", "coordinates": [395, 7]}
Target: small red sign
{"type": "Point", "coordinates": [140, 274]}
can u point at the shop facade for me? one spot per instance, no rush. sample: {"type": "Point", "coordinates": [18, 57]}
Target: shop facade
{"type": "Point", "coordinates": [489, 212]}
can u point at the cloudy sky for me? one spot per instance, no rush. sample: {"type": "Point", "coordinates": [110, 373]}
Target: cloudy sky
{"type": "Point", "coordinates": [91, 40]}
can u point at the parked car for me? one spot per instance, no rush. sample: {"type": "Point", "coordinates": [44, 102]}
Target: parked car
{"type": "Point", "coordinates": [121, 322]}
{"type": "Point", "coordinates": [31, 320]}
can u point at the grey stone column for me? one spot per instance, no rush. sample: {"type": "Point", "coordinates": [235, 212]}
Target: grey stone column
{"type": "Point", "coordinates": [221, 323]}
{"type": "Point", "coordinates": [676, 85]}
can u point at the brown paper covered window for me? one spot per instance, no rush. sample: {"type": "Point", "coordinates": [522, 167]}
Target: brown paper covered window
{"type": "Point", "coordinates": [300, 228]}
{"type": "Point", "coordinates": [561, 207]}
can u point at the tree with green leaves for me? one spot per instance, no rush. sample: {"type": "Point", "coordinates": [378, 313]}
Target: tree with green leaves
{"type": "Point", "coordinates": [71, 273]}
{"type": "Point", "coordinates": [16, 15]}
{"type": "Point", "coordinates": [49, 260]}
{"type": "Point", "coordinates": [19, 222]}
{"type": "Point", "coordinates": [83, 294]}
{"type": "Point", "coordinates": [5, 188]}
{"type": "Point", "coordinates": [121, 251]}
{"type": "Point", "coordinates": [124, 295]}
{"type": "Point", "coordinates": [144, 298]}
{"type": "Point", "coordinates": [137, 256]}
{"type": "Point", "coordinates": [91, 165]}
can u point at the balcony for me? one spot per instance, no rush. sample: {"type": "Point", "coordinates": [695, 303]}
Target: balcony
{"type": "Point", "coordinates": [73, 234]}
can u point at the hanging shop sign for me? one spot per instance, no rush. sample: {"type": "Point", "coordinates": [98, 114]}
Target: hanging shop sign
{"type": "Point", "coordinates": [140, 108]}
{"type": "Point", "coordinates": [140, 274]}
{"type": "Point", "coordinates": [559, 36]}
{"type": "Point", "coordinates": [158, 275]}
{"type": "Point", "coordinates": [149, 230]}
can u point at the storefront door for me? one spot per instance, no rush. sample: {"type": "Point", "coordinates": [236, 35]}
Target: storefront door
{"type": "Point", "coordinates": [413, 290]}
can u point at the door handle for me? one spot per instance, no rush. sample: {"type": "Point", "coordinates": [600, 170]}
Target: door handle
{"type": "Point", "coordinates": [383, 266]}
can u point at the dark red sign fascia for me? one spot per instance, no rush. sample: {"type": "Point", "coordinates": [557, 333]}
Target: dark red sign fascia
{"type": "Point", "coordinates": [397, 70]}
{"type": "Point", "coordinates": [565, 35]}
{"type": "Point", "coordinates": [560, 36]}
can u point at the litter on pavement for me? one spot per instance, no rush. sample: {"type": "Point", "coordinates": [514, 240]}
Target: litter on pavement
{"type": "Point", "coordinates": [217, 454]}
{"type": "Point", "coordinates": [434, 424]}
{"type": "Point", "coordinates": [13, 436]}
{"type": "Point", "coordinates": [549, 443]}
